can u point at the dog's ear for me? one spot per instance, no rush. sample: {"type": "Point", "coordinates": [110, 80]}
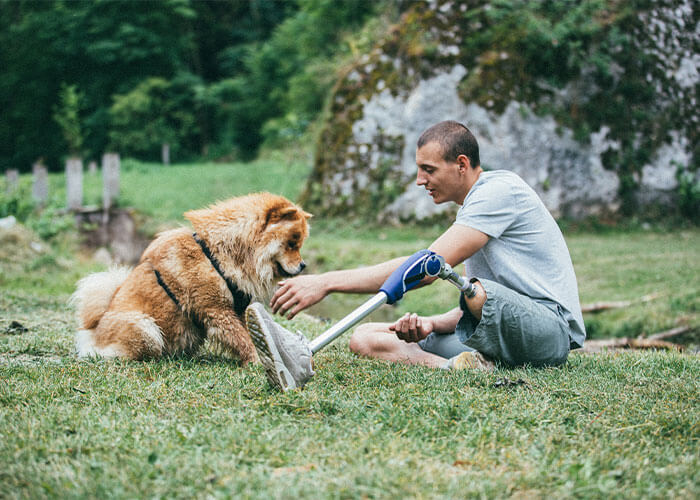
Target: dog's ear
{"type": "Point", "coordinates": [198, 217]}
{"type": "Point", "coordinates": [306, 214]}
{"type": "Point", "coordinates": [278, 213]}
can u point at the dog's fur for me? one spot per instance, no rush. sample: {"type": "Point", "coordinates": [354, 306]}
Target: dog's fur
{"type": "Point", "coordinates": [126, 313]}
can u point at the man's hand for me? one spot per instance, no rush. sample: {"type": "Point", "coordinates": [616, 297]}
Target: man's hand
{"type": "Point", "coordinates": [296, 294]}
{"type": "Point", "coordinates": [412, 328]}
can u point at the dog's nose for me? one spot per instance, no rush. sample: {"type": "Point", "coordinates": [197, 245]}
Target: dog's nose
{"type": "Point", "coordinates": [302, 266]}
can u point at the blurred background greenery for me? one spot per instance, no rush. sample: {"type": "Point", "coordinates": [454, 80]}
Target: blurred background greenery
{"type": "Point", "coordinates": [212, 79]}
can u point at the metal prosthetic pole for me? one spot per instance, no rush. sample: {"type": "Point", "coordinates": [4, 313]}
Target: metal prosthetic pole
{"type": "Point", "coordinates": [347, 322]}
{"type": "Point", "coordinates": [408, 275]}
{"type": "Point", "coordinates": [448, 274]}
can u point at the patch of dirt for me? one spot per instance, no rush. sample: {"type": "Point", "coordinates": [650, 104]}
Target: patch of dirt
{"type": "Point", "coordinates": [114, 229]}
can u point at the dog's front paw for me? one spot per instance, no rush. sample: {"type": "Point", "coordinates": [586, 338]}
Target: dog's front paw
{"type": "Point", "coordinates": [249, 357]}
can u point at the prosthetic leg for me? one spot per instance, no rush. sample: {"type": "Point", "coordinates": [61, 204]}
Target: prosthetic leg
{"type": "Point", "coordinates": [286, 356]}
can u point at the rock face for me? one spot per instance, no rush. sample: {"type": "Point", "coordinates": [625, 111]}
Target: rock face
{"type": "Point", "coordinates": [610, 131]}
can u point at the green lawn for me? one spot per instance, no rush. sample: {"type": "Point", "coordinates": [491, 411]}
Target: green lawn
{"type": "Point", "coordinates": [608, 425]}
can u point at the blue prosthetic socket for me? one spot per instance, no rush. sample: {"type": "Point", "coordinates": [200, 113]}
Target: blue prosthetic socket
{"type": "Point", "coordinates": [407, 276]}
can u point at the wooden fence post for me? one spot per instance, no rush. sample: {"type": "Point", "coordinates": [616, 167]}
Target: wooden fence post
{"type": "Point", "coordinates": [110, 179]}
{"type": "Point", "coordinates": [74, 183]}
{"type": "Point", "coordinates": [12, 177]}
{"type": "Point", "coordinates": [40, 186]}
{"type": "Point", "coordinates": [165, 153]}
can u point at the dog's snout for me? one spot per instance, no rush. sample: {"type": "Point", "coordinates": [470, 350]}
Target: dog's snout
{"type": "Point", "coordinates": [302, 266]}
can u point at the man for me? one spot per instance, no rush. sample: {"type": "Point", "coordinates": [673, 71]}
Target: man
{"type": "Point", "coordinates": [526, 309]}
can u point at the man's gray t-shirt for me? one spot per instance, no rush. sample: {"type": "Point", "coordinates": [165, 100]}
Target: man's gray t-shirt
{"type": "Point", "coordinates": [526, 251]}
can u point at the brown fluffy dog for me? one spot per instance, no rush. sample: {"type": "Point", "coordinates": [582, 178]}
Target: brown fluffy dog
{"type": "Point", "coordinates": [188, 287]}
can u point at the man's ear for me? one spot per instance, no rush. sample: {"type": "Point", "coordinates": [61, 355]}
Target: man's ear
{"type": "Point", "coordinates": [464, 163]}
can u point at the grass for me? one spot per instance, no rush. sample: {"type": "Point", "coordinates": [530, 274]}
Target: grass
{"type": "Point", "coordinates": [609, 425]}
{"type": "Point", "coordinates": [189, 186]}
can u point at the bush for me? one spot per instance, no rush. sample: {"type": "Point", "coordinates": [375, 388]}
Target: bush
{"type": "Point", "coordinates": [17, 203]}
{"type": "Point", "coordinates": [155, 112]}
{"type": "Point", "coordinates": [46, 223]}
{"type": "Point", "coordinates": [67, 116]}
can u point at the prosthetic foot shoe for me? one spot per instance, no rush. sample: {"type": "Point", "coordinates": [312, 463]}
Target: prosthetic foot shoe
{"type": "Point", "coordinates": [470, 360]}
{"type": "Point", "coordinates": [285, 355]}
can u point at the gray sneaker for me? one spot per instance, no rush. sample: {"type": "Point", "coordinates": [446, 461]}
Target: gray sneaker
{"type": "Point", "coordinates": [285, 355]}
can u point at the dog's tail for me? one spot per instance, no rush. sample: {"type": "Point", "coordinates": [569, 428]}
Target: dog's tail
{"type": "Point", "coordinates": [94, 293]}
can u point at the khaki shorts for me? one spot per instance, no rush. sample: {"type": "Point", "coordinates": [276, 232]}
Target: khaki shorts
{"type": "Point", "coordinates": [514, 330]}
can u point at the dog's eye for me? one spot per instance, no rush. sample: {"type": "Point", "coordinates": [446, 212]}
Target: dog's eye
{"type": "Point", "coordinates": [292, 245]}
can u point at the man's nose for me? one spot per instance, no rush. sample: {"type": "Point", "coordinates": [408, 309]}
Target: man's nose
{"type": "Point", "coordinates": [420, 180]}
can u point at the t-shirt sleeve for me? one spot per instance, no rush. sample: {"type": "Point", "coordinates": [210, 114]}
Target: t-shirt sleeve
{"type": "Point", "coordinates": [490, 208]}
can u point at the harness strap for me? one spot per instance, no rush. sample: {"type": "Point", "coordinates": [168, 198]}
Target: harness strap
{"type": "Point", "coordinates": [241, 300]}
{"type": "Point", "coordinates": [166, 288]}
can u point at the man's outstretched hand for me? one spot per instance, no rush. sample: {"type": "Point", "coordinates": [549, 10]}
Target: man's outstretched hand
{"type": "Point", "coordinates": [296, 294]}
{"type": "Point", "coordinates": [412, 328]}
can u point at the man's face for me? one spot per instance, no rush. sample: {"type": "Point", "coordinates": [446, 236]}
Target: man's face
{"type": "Point", "coordinates": [440, 178]}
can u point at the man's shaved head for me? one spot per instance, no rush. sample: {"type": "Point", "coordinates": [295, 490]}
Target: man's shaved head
{"type": "Point", "coordinates": [454, 139]}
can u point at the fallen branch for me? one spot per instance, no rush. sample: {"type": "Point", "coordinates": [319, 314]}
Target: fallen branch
{"type": "Point", "coordinates": [603, 306]}
{"type": "Point", "coordinates": [654, 341]}
{"type": "Point", "coordinates": [627, 343]}
{"type": "Point", "coordinates": [669, 333]}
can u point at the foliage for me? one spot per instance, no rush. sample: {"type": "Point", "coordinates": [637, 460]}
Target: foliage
{"type": "Point", "coordinates": [620, 74]}
{"type": "Point", "coordinates": [16, 202]}
{"type": "Point", "coordinates": [51, 222]}
{"type": "Point", "coordinates": [158, 111]}
{"type": "Point", "coordinates": [102, 47]}
{"type": "Point", "coordinates": [689, 193]}
{"type": "Point", "coordinates": [220, 70]}
{"type": "Point", "coordinates": [287, 77]}
{"type": "Point", "coordinates": [46, 222]}
{"type": "Point", "coordinates": [67, 115]}
{"type": "Point", "coordinates": [592, 65]}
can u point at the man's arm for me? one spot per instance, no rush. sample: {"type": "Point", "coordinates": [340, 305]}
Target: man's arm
{"type": "Point", "coordinates": [459, 243]}
{"type": "Point", "coordinates": [296, 294]}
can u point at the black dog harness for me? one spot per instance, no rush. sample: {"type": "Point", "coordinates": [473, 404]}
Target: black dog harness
{"type": "Point", "coordinates": [241, 300]}
{"type": "Point", "coordinates": [167, 289]}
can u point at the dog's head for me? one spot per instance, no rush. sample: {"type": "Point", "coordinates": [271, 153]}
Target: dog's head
{"type": "Point", "coordinates": [285, 229]}
{"type": "Point", "coordinates": [257, 238]}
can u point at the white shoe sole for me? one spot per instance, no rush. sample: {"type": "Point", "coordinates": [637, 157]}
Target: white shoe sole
{"type": "Point", "coordinates": [277, 374]}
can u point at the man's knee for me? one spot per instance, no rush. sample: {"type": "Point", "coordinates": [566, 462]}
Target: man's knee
{"type": "Point", "coordinates": [368, 339]}
{"type": "Point", "coordinates": [475, 304]}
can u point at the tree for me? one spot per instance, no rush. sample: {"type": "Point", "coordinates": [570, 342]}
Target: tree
{"type": "Point", "coordinates": [102, 47]}
{"type": "Point", "coordinates": [157, 111]}
{"type": "Point", "coordinates": [67, 115]}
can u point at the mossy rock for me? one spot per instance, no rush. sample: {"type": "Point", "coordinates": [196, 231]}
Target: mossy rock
{"type": "Point", "coordinates": [592, 103]}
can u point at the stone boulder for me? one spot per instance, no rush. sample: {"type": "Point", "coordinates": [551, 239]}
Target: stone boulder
{"type": "Point", "coordinates": [609, 131]}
